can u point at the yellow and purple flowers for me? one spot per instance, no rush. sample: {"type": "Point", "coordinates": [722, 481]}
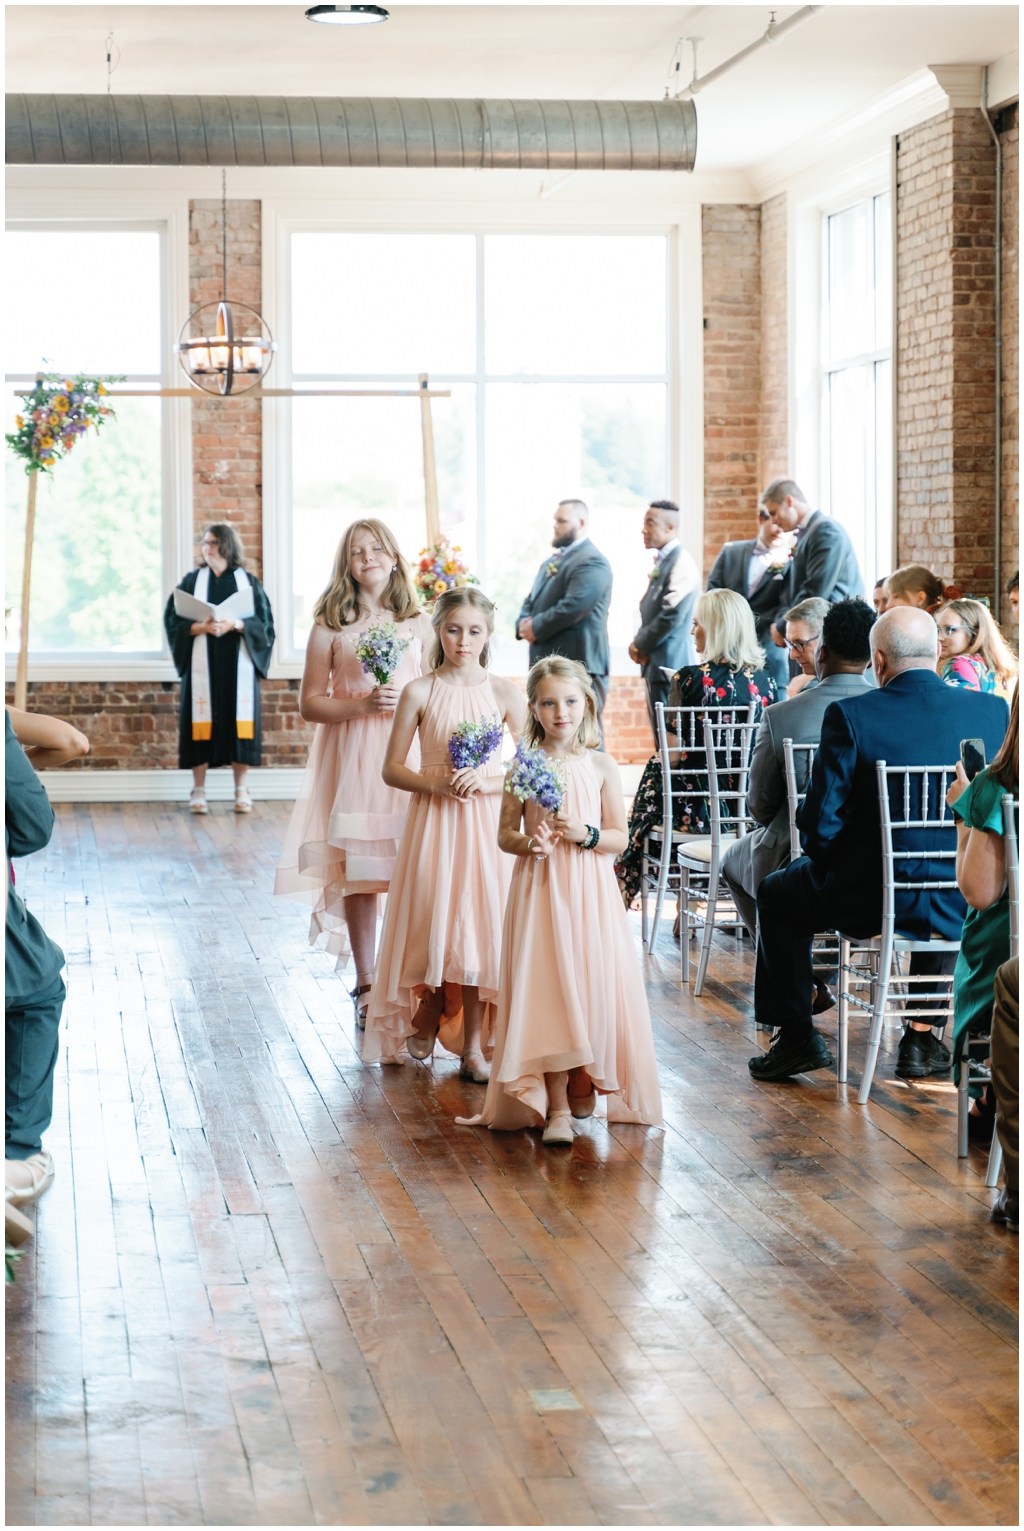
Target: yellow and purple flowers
{"type": "Point", "coordinates": [440, 569]}
{"type": "Point", "coordinates": [55, 413]}
{"type": "Point", "coordinates": [536, 778]}
{"type": "Point", "coordinates": [379, 649]}
{"type": "Point", "coordinates": [473, 743]}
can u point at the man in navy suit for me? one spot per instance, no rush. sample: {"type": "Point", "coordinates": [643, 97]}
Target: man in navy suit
{"type": "Point", "coordinates": [566, 612]}
{"type": "Point", "coordinates": [664, 640]}
{"type": "Point", "coordinates": [758, 568]}
{"type": "Point", "coordinates": [913, 718]}
{"type": "Point", "coordinates": [824, 562]}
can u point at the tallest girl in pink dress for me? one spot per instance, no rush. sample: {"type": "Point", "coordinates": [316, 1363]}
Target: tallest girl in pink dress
{"type": "Point", "coordinates": [343, 836]}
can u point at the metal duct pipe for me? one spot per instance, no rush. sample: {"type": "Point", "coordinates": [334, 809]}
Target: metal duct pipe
{"type": "Point", "coordinates": [292, 130]}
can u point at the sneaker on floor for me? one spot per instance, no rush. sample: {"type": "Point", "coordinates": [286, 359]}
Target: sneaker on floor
{"type": "Point", "coordinates": [25, 1179]}
{"type": "Point", "coordinates": [784, 1059]}
{"type": "Point", "coordinates": [921, 1053]}
{"type": "Point", "coordinates": [1006, 1209]}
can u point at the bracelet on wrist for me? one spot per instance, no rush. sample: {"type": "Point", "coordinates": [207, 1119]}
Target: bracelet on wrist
{"type": "Point", "coordinates": [592, 837]}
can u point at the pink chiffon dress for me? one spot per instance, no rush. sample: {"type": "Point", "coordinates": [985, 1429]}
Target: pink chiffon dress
{"type": "Point", "coordinates": [443, 920]}
{"type": "Point", "coordinates": [344, 831]}
{"type": "Point", "coordinates": [571, 991]}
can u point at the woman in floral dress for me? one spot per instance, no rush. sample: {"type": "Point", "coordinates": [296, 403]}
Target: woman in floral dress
{"type": "Point", "coordinates": [731, 671]}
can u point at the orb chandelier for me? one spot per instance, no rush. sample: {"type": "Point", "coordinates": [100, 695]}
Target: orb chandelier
{"type": "Point", "coordinates": [347, 15]}
{"type": "Point", "coordinates": [225, 348]}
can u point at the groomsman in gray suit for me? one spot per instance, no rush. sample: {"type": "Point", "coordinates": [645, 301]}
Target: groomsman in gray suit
{"type": "Point", "coordinates": [664, 640]}
{"type": "Point", "coordinates": [824, 563]}
{"type": "Point", "coordinates": [758, 568]}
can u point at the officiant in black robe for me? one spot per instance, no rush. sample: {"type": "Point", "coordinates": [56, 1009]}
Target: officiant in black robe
{"type": "Point", "coordinates": [223, 555]}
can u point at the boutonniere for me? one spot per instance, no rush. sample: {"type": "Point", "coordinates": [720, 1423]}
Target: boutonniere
{"type": "Point", "coordinates": [551, 568]}
{"type": "Point", "coordinates": [655, 571]}
{"type": "Point", "coordinates": [778, 568]}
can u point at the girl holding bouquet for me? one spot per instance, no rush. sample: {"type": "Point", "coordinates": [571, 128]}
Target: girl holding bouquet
{"type": "Point", "coordinates": [368, 640]}
{"type": "Point", "coordinates": [442, 927]}
{"type": "Point", "coordinates": [573, 1021]}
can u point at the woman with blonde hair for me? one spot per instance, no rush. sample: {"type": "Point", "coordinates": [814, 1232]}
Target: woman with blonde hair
{"type": "Point", "coordinates": [573, 1023]}
{"type": "Point", "coordinates": [914, 585]}
{"type": "Point", "coordinates": [731, 672]}
{"type": "Point", "coordinates": [972, 651]}
{"type": "Point", "coordinates": [440, 945]}
{"type": "Point", "coordinates": [343, 837]}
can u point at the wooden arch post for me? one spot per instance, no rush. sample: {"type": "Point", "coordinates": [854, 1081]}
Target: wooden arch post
{"type": "Point", "coordinates": [21, 676]}
{"type": "Point", "coordinates": [429, 465]}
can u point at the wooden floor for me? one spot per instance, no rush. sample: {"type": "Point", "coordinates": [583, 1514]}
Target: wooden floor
{"type": "Point", "coordinates": [272, 1286]}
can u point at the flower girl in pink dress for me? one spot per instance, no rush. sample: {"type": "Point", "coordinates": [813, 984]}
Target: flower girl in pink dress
{"type": "Point", "coordinates": [442, 927]}
{"type": "Point", "coordinates": [343, 835]}
{"type": "Point", "coordinates": [573, 1021]}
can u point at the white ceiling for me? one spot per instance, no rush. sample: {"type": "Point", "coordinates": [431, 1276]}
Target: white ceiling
{"type": "Point", "coordinates": [832, 65]}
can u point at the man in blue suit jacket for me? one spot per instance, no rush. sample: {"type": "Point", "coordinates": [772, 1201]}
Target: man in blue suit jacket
{"type": "Point", "coordinates": [566, 612]}
{"type": "Point", "coordinates": [824, 562]}
{"type": "Point", "coordinates": [913, 718]}
{"type": "Point", "coordinates": [664, 640]}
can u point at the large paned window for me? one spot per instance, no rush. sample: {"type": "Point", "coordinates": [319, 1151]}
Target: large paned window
{"type": "Point", "coordinates": [857, 375]}
{"type": "Point", "coordinates": [90, 302]}
{"type": "Point", "coordinates": [554, 348]}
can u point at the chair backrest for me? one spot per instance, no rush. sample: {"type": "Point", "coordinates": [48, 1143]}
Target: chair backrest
{"type": "Point", "coordinates": [728, 748]}
{"type": "Point", "coordinates": [912, 801]}
{"type": "Point", "coordinates": [681, 747]}
{"type": "Point", "coordinates": [796, 755]}
{"type": "Point", "coordinates": [1011, 830]}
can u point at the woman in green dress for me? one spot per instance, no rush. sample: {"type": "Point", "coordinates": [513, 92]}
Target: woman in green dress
{"type": "Point", "coordinates": [981, 875]}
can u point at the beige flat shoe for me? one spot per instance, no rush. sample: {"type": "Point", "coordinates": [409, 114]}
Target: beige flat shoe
{"type": "Point", "coordinates": [197, 800]}
{"type": "Point", "coordinates": [243, 802]}
{"type": "Point", "coordinates": [475, 1067]}
{"type": "Point", "coordinates": [558, 1129]}
{"type": "Point", "coordinates": [25, 1179]}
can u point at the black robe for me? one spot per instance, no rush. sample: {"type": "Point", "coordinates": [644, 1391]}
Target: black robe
{"type": "Point", "coordinates": [223, 747]}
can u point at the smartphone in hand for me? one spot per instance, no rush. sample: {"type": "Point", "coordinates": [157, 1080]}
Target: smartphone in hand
{"type": "Point", "coordinates": [972, 757]}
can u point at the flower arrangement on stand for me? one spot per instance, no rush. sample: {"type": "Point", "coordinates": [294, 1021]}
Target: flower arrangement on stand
{"type": "Point", "coordinates": [57, 411]}
{"type": "Point", "coordinates": [441, 567]}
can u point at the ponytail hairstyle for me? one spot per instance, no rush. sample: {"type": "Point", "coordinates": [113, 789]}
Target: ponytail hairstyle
{"type": "Point", "coordinates": [915, 579]}
{"type": "Point", "coordinates": [554, 667]}
{"type": "Point", "coordinates": [984, 638]}
{"type": "Point", "coordinates": [451, 600]}
{"type": "Point", "coordinates": [342, 602]}
{"type": "Point", "coordinates": [1006, 766]}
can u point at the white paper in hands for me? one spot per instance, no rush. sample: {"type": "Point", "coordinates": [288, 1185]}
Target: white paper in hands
{"type": "Point", "coordinates": [236, 608]}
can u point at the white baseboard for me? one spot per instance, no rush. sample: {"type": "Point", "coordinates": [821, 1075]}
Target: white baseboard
{"type": "Point", "coordinates": [265, 783]}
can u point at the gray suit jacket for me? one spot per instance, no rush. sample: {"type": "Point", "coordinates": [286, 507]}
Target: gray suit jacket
{"type": "Point", "coordinates": [798, 718]}
{"type": "Point", "coordinates": [569, 609]}
{"type": "Point", "coordinates": [666, 614]}
{"type": "Point", "coordinates": [824, 564]}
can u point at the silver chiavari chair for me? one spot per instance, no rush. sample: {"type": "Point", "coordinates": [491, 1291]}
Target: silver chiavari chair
{"type": "Point", "coordinates": [798, 760]}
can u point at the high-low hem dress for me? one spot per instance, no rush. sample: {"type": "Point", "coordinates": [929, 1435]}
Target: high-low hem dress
{"type": "Point", "coordinates": [343, 835]}
{"type": "Point", "coordinates": [571, 993]}
{"type": "Point", "coordinates": [442, 925]}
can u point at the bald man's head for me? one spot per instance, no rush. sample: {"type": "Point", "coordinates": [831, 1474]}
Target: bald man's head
{"type": "Point", "coordinates": [904, 638]}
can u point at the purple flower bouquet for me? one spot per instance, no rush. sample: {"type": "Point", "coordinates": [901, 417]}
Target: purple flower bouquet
{"type": "Point", "coordinates": [473, 743]}
{"type": "Point", "coordinates": [379, 649]}
{"type": "Point", "coordinates": [535, 778]}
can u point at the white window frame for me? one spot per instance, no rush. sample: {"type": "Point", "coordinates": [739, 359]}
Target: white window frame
{"type": "Point", "coordinates": [74, 208]}
{"type": "Point", "coordinates": [684, 362]}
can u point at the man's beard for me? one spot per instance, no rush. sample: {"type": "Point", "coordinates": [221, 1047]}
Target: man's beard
{"type": "Point", "coordinates": [564, 542]}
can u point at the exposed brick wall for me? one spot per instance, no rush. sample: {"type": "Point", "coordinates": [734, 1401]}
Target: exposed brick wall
{"type": "Point", "coordinates": [732, 372]}
{"type": "Point", "coordinates": [226, 436]}
{"type": "Point", "coordinates": [1009, 132]}
{"type": "Point", "coordinates": [945, 326]}
{"type": "Point", "coordinates": [774, 431]}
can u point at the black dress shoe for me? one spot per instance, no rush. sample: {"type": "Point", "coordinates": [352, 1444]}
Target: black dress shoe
{"type": "Point", "coordinates": [824, 999]}
{"type": "Point", "coordinates": [784, 1059]}
{"type": "Point", "coordinates": [1006, 1209]}
{"type": "Point", "coordinates": [921, 1053]}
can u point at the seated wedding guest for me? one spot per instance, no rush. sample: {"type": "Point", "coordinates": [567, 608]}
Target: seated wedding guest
{"type": "Point", "coordinates": [34, 990]}
{"type": "Point", "coordinates": [803, 634]}
{"type": "Point", "coordinates": [910, 719]}
{"type": "Point", "coordinates": [824, 563]}
{"type": "Point", "coordinates": [981, 876]}
{"type": "Point", "coordinates": [842, 657]}
{"type": "Point", "coordinates": [972, 650]}
{"type": "Point", "coordinates": [758, 568]}
{"type": "Point", "coordinates": [731, 672]}
{"type": "Point", "coordinates": [878, 600]}
{"type": "Point", "coordinates": [1013, 594]}
{"type": "Point", "coordinates": [664, 639]}
{"type": "Point", "coordinates": [914, 585]}
{"type": "Point", "coordinates": [220, 681]}
{"type": "Point", "coordinates": [1005, 1083]}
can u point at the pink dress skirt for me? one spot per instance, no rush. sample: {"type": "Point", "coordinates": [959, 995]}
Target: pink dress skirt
{"type": "Point", "coordinates": [344, 831]}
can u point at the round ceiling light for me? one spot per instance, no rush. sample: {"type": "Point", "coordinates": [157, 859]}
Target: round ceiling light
{"type": "Point", "coordinates": [347, 15]}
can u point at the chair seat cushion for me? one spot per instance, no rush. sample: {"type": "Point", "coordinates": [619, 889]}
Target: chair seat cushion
{"type": "Point", "coordinates": [698, 847]}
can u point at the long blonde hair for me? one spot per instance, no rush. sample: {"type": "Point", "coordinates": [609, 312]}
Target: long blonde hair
{"type": "Point", "coordinates": [465, 595]}
{"type": "Point", "coordinates": [342, 601]}
{"type": "Point", "coordinates": [728, 624]}
{"type": "Point", "coordinates": [984, 638]}
{"type": "Point", "coordinates": [554, 667]}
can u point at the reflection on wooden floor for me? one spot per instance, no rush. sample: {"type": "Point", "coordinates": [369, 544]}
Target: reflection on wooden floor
{"type": "Point", "coordinates": [271, 1286]}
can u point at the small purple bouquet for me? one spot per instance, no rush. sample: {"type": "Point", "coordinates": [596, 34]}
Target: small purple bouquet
{"type": "Point", "coordinates": [535, 778]}
{"type": "Point", "coordinates": [379, 649]}
{"type": "Point", "coordinates": [473, 743]}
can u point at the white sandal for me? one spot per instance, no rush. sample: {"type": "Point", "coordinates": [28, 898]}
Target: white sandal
{"type": "Point", "coordinates": [558, 1128]}
{"type": "Point", "coordinates": [243, 802]}
{"type": "Point", "coordinates": [197, 800]}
